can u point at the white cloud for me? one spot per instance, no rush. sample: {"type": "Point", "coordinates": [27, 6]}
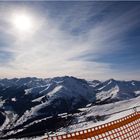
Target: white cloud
{"type": "Point", "coordinates": [49, 50]}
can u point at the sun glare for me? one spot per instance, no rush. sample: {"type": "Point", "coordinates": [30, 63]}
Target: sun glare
{"type": "Point", "coordinates": [22, 22]}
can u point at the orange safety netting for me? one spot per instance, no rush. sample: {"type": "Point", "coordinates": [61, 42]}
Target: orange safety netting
{"type": "Point", "coordinates": [126, 128]}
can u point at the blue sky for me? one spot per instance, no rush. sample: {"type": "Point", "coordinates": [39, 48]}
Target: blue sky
{"type": "Point", "coordinates": [92, 40]}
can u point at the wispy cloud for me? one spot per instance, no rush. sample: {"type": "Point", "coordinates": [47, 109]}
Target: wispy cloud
{"type": "Point", "coordinates": [70, 39]}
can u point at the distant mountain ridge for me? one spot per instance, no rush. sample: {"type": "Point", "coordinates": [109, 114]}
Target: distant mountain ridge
{"type": "Point", "coordinates": [27, 101]}
{"type": "Point", "coordinates": [113, 90]}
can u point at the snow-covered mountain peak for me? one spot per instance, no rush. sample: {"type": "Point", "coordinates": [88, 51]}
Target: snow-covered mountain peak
{"type": "Point", "coordinates": [29, 101]}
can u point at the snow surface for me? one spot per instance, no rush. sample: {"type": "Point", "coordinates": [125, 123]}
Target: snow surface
{"type": "Point", "coordinates": [137, 92]}
{"type": "Point", "coordinates": [103, 95]}
{"type": "Point", "coordinates": [102, 110]}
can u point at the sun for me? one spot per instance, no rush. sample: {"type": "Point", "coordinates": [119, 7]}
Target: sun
{"type": "Point", "coordinates": [22, 22]}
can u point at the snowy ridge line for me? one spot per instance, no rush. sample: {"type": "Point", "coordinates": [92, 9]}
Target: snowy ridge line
{"type": "Point", "coordinates": [132, 108]}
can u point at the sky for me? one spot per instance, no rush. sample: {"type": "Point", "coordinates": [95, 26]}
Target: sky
{"type": "Point", "coordinates": [91, 40]}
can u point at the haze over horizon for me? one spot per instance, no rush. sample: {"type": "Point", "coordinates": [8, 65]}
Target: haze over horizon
{"type": "Point", "coordinates": [90, 40]}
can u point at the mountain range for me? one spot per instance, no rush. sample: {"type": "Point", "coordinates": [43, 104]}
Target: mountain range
{"type": "Point", "coordinates": [31, 104]}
